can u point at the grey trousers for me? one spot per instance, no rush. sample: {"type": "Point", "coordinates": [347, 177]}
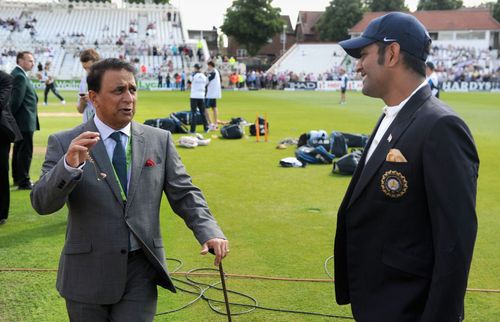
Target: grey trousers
{"type": "Point", "coordinates": [138, 303]}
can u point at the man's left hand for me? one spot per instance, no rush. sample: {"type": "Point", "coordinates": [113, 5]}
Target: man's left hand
{"type": "Point", "coordinates": [220, 247]}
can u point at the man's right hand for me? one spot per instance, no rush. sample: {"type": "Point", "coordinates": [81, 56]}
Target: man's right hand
{"type": "Point", "coordinates": [78, 150]}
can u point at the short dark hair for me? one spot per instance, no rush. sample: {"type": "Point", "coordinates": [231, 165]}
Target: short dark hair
{"type": "Point", "coordinates": [211, 63]}
{"type": "Point", "coordinates": [430, 65]}
{"type": "Point", "coordinates": [97, 70]}
{"type": "Point", "coordinates": [20, 55]}
{"type": "Point", "coordinates": [413, 63]}
{"type": "Point", "coordinates": [89, 55]}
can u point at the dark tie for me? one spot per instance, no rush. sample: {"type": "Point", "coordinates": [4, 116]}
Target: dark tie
{"type": "Point", "coordinates": [120, 160]}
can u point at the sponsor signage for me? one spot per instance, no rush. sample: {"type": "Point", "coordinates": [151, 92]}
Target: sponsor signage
{"type": "Point", "coordinates": [335, 85]}
{"type": "Point", "coordinates": [308, 86]}
{"type": "Point", "coordinates": [470, 86]}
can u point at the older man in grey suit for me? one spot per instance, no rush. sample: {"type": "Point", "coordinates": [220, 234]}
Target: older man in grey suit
{"type": "Point", "coordinates": [112, 172]}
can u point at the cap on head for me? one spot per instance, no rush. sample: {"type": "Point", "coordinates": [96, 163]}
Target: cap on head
{"type": "Point", "coordinates": [398, 27]}
{"type": "Point", "coordinates": [430, 65]}
{"type": "Point", "coordinates": [196, 66]}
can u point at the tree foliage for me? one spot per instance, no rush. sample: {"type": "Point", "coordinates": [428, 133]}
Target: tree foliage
{"type": "Point", "coordinates": [439, 4]}
{"type": "Point", "coordinates": [386, 5]}
{"type": "Point", "coordinates": [252, 23]}
{"type": "Point", "coordinates": [339, 16]}
{"type": "Point", "coordinates": [496, 11]}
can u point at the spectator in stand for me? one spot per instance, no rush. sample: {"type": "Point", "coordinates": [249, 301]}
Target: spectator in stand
{"type": "Point", "coordinates": [198, 84]}
{"type": "Point", "coordinates": [160, 80]}
{"type": "Point", "coordinates": [167, 80]}
{"type": "Point", "coordinates": [84, 105]}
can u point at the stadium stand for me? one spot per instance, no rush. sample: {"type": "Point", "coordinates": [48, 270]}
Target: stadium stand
{"type": "Point", "coordinates": [152, 36]}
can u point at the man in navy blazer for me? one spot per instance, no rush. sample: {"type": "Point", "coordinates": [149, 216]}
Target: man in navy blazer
{"type": "Point", "coordinates": [407, 225]}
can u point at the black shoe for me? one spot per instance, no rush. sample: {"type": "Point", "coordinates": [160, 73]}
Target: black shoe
{"type": "Point", "coordinates": [28, 186]}
{"type": "Point", "coordinates": [3, 221]}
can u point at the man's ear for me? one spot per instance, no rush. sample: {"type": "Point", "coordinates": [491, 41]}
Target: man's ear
{"type": "Point", "coordinates": [93, 98]}
{"type": "Point", "coordinates": [393, 54]}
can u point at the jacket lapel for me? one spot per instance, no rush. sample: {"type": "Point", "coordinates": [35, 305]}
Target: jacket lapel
{"type": "Point", "coordinates": [395, 131]}
{"type": "Point", "coordinates": [102, 162]}
{"type": "Point", "coordinates": [138, 159]}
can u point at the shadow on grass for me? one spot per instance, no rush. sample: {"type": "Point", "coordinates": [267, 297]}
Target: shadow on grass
{"type": "Point", "coordinates": [17, 236]}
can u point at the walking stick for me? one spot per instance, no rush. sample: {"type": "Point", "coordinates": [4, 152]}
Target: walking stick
{"type": "Point", "coordinates": [224, 290]}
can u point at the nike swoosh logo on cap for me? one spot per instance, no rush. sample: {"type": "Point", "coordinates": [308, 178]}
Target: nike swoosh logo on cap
{"type": "Point", "coordinates": [389, 39]}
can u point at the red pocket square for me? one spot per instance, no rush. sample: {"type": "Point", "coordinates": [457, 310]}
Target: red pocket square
{"type": "Point", "coordinates": [149, 163]}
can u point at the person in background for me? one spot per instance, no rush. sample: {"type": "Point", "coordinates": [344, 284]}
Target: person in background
{"type": "Point", "coordinates": [48, 79]}
{"type": "Point", "coordinates": [214, 92]}
{"type": "Point", "coordinates": [343, 85]}
{"type": "Point", "coordinates": [84, 104]}
{"type": "Point", "coordinates": [197, 97]}
{"type": "Point", "coordinates": [407, 225]}
{"type": "Point", "coordinates": [23, 105]}
{"type": "Point", "coordinates": [432, 78]}
{"type": "Point", "coordinates": [9, 132]}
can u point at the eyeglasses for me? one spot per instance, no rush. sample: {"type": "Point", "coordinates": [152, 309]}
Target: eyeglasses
{"type": "Point", "coordinates": [99, 175]}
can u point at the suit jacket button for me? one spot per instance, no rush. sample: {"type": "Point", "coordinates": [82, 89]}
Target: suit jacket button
{"type": "Point", "coordinates": [123, 251]}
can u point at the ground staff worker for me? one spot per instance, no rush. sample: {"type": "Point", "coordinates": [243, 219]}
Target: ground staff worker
{"type": "Point", "coordinates": [113, 256]}
{"type": "Point", "coordinates": [407, 225]}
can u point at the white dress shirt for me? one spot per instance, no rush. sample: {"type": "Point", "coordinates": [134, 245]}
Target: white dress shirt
{"type": "Point", "coordinates": [390, 114]}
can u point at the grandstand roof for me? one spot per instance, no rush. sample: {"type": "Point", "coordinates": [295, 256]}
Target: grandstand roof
{"type": "Point", "coordinates": [435, 20]}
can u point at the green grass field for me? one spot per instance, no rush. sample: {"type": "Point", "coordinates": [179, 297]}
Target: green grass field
{"type": "Point", "coordinates": [280, 222]}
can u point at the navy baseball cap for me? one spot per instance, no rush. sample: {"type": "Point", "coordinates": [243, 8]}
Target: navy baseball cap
{"type": "Point", "coordinates": [398, 27]}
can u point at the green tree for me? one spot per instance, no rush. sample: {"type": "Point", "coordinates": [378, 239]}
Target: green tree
{"type": "Point", "coordinates": [496, 11]}
{"type": "Point", "coordinates": [339, 16]}
{"type": "Point", "coordinates": [252, 23]}
{"type": "Point", "coordinates": [439, 4]}
{"type": "Point", "coordinates": [386, 5]}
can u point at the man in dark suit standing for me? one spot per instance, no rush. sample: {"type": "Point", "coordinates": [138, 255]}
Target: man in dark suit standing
{"type": "Point", "coordinates": [112, 173]}
{"type": "Point", "coordinates": [23, 105]}
{"type": "Point", "coordinates": [407, 225]}
{"type": "Point", "coordinates": [5, 141]}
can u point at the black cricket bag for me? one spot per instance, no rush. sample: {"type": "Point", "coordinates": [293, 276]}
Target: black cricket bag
{"type": "Point", "coordinates": [262, 127]}
{"type": "Point", "coordinates": [171, 124]}
{"type": "Point", "coordinates": [348, 163]}
{"type": "Point", "coordinates": [185, 117]}
{"type": "Point", "coordinates": [313, 155]}
{"type": "Point", "coordinates": [356, 140]}
{"type": "Point", "coordinates": [232, 131]}
{"type": "Point", "coordinates": [338, 146]}
{"type": "Point", "coordinates": [238, 120]}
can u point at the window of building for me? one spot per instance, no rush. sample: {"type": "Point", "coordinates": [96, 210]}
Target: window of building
{"type": "Point", "coordinates": [471, 35]}
{"type": "Point", "coordinates": [434, 35]}
{"type": "Point", "coordinates": [445, 35]}
{"type": "Point", "coordinates": [241, 52]}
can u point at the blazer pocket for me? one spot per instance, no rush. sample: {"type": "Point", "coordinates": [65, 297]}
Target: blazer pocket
{"type": "Point", "coordinates": [158, 242]}
{"type": "Point", "coordinates": [406, 262]}
{"type": "Point", "coordinates": [77, 248]}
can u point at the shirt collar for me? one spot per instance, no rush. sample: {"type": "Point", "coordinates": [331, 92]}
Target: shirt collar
{"type": "Point", "coordinates": [106, 131]}
{"type": "Point", "coordinates": [392, 111]}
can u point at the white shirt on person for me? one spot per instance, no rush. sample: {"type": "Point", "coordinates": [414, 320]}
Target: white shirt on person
{"type": "Point", "coordinates": [89, 110]}
{"type": "Point", "coordinates": [214, 86]}
{"type": "Point", "coordinates": [198, 85]}
{"type": "Point", "coordinates": [390, 115]}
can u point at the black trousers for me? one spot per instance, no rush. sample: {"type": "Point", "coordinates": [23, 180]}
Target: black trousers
{"type": "Point", "coordinates": [198, 104]}
{"type": "Point", "coordinates": [4, 178]}
{"type": "Point", "coordinates": [21, 159]}
{"type": "Point", "coordinates": [51, 87]}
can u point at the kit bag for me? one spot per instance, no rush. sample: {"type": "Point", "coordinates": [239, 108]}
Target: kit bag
{"type": "Point", "coordinates": [232, 131]}
{"type": "Point", "coordinates": [338, 145]}
{"type": "Point", "coordinates": [262, 127]}
{"type": "Point", "coordinates": [171, 124]}
{"type": "Point", "coordinates": [348, 163]}
{"type": "Point", "coordinates": [355, 140]}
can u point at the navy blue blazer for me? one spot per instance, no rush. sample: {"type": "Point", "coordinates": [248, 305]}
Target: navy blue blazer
{"type": "Point", "coordinates": [406, 231]}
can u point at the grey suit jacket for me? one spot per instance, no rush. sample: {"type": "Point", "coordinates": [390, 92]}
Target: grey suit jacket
{"type": "Point", "coordinates": [93, 263]}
